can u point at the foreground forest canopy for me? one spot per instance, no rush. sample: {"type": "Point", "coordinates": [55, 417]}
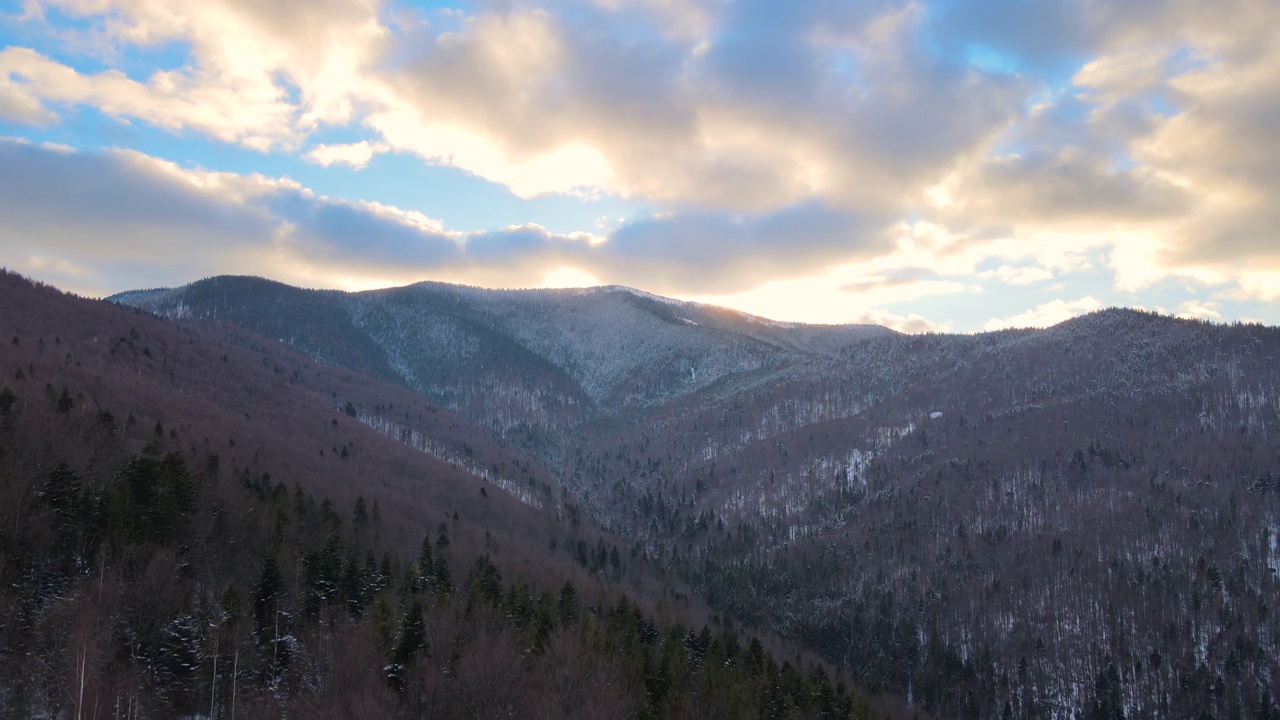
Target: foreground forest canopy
{"type": "Point", "coordinates": [192, 530]}
{"type": "Point", "coordinates": [1074, 521]}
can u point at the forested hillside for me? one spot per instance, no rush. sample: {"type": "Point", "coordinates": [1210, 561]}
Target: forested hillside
{"type": "Point", "coordinates": [1078, 521]}
{"type": "Point", "coordinates": [199, 521]}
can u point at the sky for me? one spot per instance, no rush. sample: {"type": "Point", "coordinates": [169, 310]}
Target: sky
{"type": "Point", "coordinates": [928, 165]}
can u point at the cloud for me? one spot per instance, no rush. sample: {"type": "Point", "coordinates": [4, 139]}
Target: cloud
{"type": "Point", "coordinates": [891, 278]}
{"type": "Point", "coordinates": [1163, 149]}
{"type": "Point", "coordinates": [1050, 313]}
{"type": "Point", "coordinates": [772, 141]}
{"type": "Point", "coordinates": [141, 221]}
{"type": "Point", "coordinates": [355, 155]}
{"type": "Point", "coordinates": [563, 169]}
{"type": "Point", "coordinates": [679, 19]}
{"type": "Point", "coordinates": [119, 217]}
{"type": "Point", "coordinates": [34, 84]}
{"type": "Point", "coordinates": [1224, 146]}
{"type": "Point", "coordinates": [1042, 34]}
{"type": "Point", "coordinates": [262, 75]}
{"type": "Point", "coordinates": [743, 108]}
{"type": "Point", "coordinates": [703, 252]}
{"type": "Point", "coordinates": [132, 220]}
{"type": "Point", "coordinates": [912, 323]}
{"type": "Point", "coordinates": [17, 102]}
{"type": "Point", "coordinates": [957, 259]}
{"type": "Point", "coordinates": [1018, 275]}
{"type": "Point", "coordinates": [1256, 285]}
{"type": "Point", "coordinates": [1063, 188]}
{"type": "Point", "coordinates": [1195, 310]}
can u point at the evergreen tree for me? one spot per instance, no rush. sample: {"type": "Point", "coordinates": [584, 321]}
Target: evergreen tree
{"type": "Point", "coordinates": [568, 605]}
{"type": "Point", "coordinates": [61, 490]}
{"type": "Point", "coordinates": [411, 640]}
{"type": "Point", "coordinates": [65, 402]}
{"type": "Point", "coordinates": [1108, 703]}
{"type": "Point", "coordinates": [360, 518]}
{"type": "Point", "coordinates": [425, 565]}
{"type": "Point", "coordinates": [484, 584]}
{"type": "Point", "coordinates": [443, 577]}
{"type": "Point", "coordinates": [267, 595]}
{"type": "Point", "coordinates": [353, 584]}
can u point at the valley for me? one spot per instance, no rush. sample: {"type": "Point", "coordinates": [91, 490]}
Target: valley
{"type": "Point", "coordinates": [1026, 523]}
{"type": "Point", "coordinates": [200, 521]}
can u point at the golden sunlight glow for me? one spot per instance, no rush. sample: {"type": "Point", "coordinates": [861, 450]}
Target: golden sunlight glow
{"type": "Point", "coordinates": [563, 170]}
{"type": "Point", "coordinates": [568, 277]}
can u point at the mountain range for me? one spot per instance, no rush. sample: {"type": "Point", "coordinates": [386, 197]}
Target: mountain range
{"type": "Point", "coordinates": [1027, 523]}
{"type": "Point", "coordinates": [201, 521]}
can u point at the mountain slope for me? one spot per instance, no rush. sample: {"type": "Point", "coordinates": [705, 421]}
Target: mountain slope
{"type": "Point", "coordinates": [200, 521]}
{"type": "Point", "coordinates": [1030, 523]}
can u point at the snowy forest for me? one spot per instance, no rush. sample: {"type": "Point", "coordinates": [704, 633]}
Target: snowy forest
{"type": "Point", "coordinates": [195, 526]}
{"type": "Point", "coordinates": [1078, 521]}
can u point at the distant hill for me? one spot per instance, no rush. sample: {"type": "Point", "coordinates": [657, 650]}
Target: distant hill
{"type": "Point", "coordinates": [1027, 523]}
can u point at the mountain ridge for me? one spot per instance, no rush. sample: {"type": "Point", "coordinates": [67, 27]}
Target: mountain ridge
{"type": "Point", "coordinates": [929, 511]}
{"type": "Point", "coordinates": [194, 515]}
{"type": "Point", "coordinates": [373, 321]}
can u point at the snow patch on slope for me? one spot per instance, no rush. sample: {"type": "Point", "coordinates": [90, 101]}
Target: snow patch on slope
{"type": "Point", "coordinates": [420, 442]}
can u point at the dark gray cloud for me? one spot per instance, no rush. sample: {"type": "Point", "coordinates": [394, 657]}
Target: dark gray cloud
{"type": "Point", "coordinates": [167, 222]}
{"type": "Point", "coordinates": [1067, 187]}
{"type": "Point", "coordinates": [720, 253]}
{"type": "Point", "coordinates": [106, 203]}
{"type": "Point", "coordinates": [99, 222]}
{"type": "Point", "coordinates": [345, 232]}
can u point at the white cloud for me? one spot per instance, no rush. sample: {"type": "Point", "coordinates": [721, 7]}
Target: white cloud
{"type": "Point", "coordinates": [1223, 147]}
{"type": "Point", "coordinates": [247, 61]}
{"type": "Point", "coordinates": [562, 169]}
{"type": "Point", "coordinates": [1122, 74]}
{"type": "Point", "coordinates": [1256, 285]}
{"type": "Point", "coordinates": [782, 140]}
{"type": "Point", "coordinates": [1050, 313]}
{"type": "Point", "coordinates": [1014, 275]}
{"type": "Point", "coordinates": [1025, 256]}
{"type": "Point", "coordinates": [17, 102]}
{"type": "Point", "coordinates": [1196, 310]}
{"type": "Point", "coordinates": [356, 155]}
{"type": "Point", "coordinates": [912, 323]}
{"type": "Point", "coordinates": [544, 102]}
{"type": "Point", "coordinates": [1160, 158]}
{"type": "Point", "coordinates": [257, 116]}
